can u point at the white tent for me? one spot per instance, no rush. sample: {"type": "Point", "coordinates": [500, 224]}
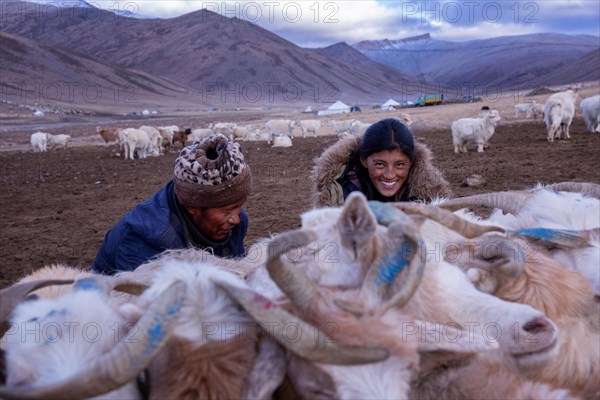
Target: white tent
{"type": "Point", "coordinates": [336, 108]}
{"type": "Point", "coordinates": [390, 105]}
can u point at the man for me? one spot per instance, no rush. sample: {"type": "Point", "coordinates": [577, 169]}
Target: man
{"type": "Point", "coordinates": [200, 207]}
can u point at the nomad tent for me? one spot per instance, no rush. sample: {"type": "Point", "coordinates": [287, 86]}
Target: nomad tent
{"type": "Point", "coordinates": [390, 105]}
{"type": "Point", "coordinates": [336, 108]}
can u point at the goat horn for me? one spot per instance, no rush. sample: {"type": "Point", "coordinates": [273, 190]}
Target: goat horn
{"type": "Point", "coordinates": [382, 273]}
{"type": "Point", "coordinates": [588, 188]}
{"type": "Point", "coordinates": [446, 218]}
{"type": "Point", "coordinates": [12, 296]}
{"type": "Point", "coordinates": [511, 202]}
{"type": "Point", "coordinates": [498, 253]}
{"type": "Point", "coordinates": [293, 281]}
{"type": "Point", "coordinates": [122, 364]}
{"type": "Point", "coordinates": [307, 341]}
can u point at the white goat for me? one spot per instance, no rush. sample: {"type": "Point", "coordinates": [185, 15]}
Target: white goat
{"type": "Point", "coordinates": [58, 141]}
{"type": "Point", "coordinates": [538, 111]}
{"type": "Point", "coordinates": [590, 110]}
{"type": "Point", "coordinates": [526, 108]}
{"type": "Point", "coordinates": [200, 133]}
{"type": "Point", "coordinates": [224, 128]}
{"type": "Point", "coordinates": [135, 140]}
{"type": "Point", "coordinates": [242, 132]}
{"type": "Point", "coordinates": [358, 128]}
{"type": "Point", "coordinates": [282, 141]}
{"type": "Point", "coordinates": [81, 344]}
{"type": "Point", "coordinates": [280, 127]}
{"type": "Point", "coordinates": [558, 114]}
{"type": "Point", "coordinates": [340, 127]}
{"type": "Point", "coordinates": [156, 139]}
{"type": "Point", "coordinates": [474, 130]}
{"type": "Point", "coordinates": [39, 141]}
{"type": "Point", "coordinates": [167, 132]}
{"type": "Point", "coordinates": [310, 125]}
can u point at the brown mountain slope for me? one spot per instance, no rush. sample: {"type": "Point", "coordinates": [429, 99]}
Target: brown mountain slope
{"type": "Point", "coordinates": [53, 76]}
{"type": "Point", "coordinates": [585, 69]}
{"type": "Point", "coordinates": [223, 58]}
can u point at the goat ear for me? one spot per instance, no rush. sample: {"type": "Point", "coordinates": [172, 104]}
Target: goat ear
{"type": "Point", "coordinates": [357, 223]}
{"type": "Point", "coordinates": [131, 312]}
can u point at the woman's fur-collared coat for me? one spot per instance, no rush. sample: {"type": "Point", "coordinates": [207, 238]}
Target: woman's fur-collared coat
{"type": "Point", "coordinates": [425, 182]}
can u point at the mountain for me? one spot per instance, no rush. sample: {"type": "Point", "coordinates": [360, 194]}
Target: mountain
{"type": "Point", "coordinates": [506, 62]}
{"type": "Point", "coordinates": [224, 59]}
{"type": "Point", "coordinates": [586, 68]}
{"type": "Point", "coordinates": [350, 56]}
{"type": "Point", "coordinates": [34, 73]}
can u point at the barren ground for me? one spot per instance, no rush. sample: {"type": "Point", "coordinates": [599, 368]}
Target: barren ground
{"type": "Point", "coordinates": [57, 206]}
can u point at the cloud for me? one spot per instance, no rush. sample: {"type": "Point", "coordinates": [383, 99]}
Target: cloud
{"type": "Point", "coordinates": [322, 23]}
{"type": "Point", "coordinates": [482, 31]}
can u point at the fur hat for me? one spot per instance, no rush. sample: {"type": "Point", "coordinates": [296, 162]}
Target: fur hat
{"type": "Point", "coordinates": [211, 173]}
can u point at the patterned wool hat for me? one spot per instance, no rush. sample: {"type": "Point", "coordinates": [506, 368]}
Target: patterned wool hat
{"type": "Point", "coordinates": [211, 173]}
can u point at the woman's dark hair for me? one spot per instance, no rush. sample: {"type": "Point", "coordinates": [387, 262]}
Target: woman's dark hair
{"type": "Point", "coordinates": [387, 134]}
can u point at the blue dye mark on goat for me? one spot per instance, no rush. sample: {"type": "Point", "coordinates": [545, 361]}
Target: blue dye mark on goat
{"type": "Point", "coordinates": [390, 268]}
{"type": "Point", "coordinates": [173, 310]}
{"type": "Point", "coordinates": [549, 235]}
{"type": "Point", "coordinates": [156, 334]}
{"type": "Point", "coordinates": [393, 264]}
{"type": "Point", "coordinates": [384, 213]}
{"type": "Point", "coordinates": [87, 284]}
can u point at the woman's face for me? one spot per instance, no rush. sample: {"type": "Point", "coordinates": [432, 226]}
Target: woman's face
{"type": "Point", "coordinates": [388, 170]}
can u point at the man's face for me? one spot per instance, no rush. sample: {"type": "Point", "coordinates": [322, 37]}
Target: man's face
{"type": "Point", "coordinates": [217, 223]}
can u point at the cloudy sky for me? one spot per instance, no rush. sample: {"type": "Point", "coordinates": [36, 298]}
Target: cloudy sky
{"type": "Point", "coordinates": [310, 23]}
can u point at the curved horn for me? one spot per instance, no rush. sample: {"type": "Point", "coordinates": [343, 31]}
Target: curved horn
{"type": "Point", "coordinates": [511, 202]}
{"type": "Point", "coordinates": [587, 188]}
{"type": "Point", "coordinates": [498, 253]}
{"type": "Point", "coordinates": [12, 296]}
{"type": "Point", "coordinates": [122, 364]}
{"type": "Point", "coordinates": [446, 218]}
{"type": "Point", "coordinates": [382, 273]}
{"type": "Point", "coordinates": [305, 340]}
{"type": "Point", "coordinates": [293, 281]}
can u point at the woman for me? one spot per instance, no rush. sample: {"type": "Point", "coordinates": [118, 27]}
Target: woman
{"type": "Point", "coordinates": [385, 164]}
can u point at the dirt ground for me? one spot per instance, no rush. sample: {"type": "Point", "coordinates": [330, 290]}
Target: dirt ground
{"type": "Point", "coordinates": [57, 206]}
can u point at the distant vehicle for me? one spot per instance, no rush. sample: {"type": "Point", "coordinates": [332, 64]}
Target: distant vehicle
{"type": "Point", "coordinates": [430, 100]}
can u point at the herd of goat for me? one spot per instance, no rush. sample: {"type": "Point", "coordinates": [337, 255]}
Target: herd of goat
{"type": "Point", "coordinates": [369, 300]}
{"type": "Point", "coordinates": [558, 113]}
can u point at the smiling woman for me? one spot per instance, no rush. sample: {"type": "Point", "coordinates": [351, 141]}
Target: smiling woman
{"type": "Point", "coordinates": [385, 164]}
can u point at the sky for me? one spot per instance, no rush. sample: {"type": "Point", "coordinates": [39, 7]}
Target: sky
{"type": "Point", "coordinates": [310, 23]}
